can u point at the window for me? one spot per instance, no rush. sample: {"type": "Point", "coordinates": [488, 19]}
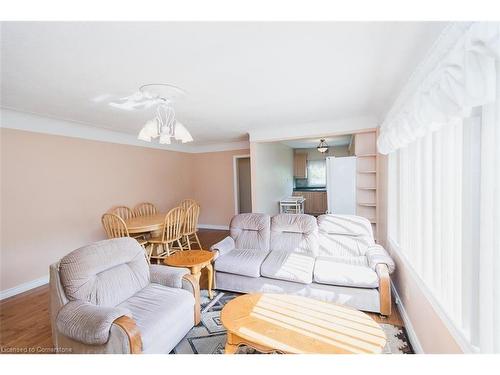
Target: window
{"type": "Point", "coordinates": [433, 219]}
{"type": "Point", "coordinates": [316, 173]}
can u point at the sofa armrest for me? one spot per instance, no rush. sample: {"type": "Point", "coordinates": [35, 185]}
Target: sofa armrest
{"type": "Point", "coordinates": [223, 247]}
{"type": "Point", "coordinates": [167, 276]}
{"type": "Point", "coordinates": [384, 289]}
{"type": "Point", "coordinates": [88, 323]}
{"type": "Point", "coordinates": [376, 255]}
{"type": "Point", "coordinates": [190, 283]}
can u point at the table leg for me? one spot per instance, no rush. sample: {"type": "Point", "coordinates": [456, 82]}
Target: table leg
{"type": "Point", "coordinates": [210, 275]}
{"type": "Point", "coordinates": [230, 348]}
{"type": "Point", "coordinates": [196, 272]}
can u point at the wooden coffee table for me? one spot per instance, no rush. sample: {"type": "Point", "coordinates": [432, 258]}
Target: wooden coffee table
{"type": "Point", "coordinates": [294, 324]}
{"type": "Point", "coordinates": [195, 260]}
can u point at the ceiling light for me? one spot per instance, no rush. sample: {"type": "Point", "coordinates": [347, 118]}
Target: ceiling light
{"type": "Point", "coordinates": [165, 139]}
{"type": "Point", "coordinates": [322, 147]}
{"type": "Point", "coordinates": [182, 134]}
{"type": "Point", "coordinates": [149, 131]}
{"type": "Point", "coordinates": [164, 125]}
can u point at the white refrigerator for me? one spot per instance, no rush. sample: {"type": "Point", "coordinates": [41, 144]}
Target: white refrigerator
{"type": "Point", "coordinates": [341, 185]}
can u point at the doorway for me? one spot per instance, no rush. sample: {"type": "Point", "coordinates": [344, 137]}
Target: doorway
{"type": "Point", "coordinates": [242, 184]}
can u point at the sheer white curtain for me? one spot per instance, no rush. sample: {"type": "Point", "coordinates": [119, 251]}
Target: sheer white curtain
{"type": "Point", "coordinates": [489, 232]}
{"type": "Point", "coordinates": [443, 137]}
{"type": "Point", "coordinates": [425, 212]}
{"type": "Point", "coordinates": [458, 75]}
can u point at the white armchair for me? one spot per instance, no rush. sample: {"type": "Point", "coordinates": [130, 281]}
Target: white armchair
{"type": "Point", "coordinates": [105, 298]}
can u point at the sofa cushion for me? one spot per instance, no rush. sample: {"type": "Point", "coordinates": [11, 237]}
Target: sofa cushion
{"type": "Point", "coordinates": [345, 224]}
{"type": "Point", "coordinates": [163, 315]}
{"type": "Point", "coordinates": [105, 273]}
{"type": "Point", "coordinates": [251, 231]}
{"type": "Point", "coordinates": [344, 235]}
{"type": "Point", "coordinates": [345, 271]}
{"type": "Point", "coordinates": [284, 265]}
{"type": "Point", "coordinates": [294, 233]}
{"type": "Point", "coordinates": [244, 262]}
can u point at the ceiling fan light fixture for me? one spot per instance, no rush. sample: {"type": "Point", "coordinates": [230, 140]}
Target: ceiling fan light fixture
{"type": "Point", "coordinates": [322, 147]}
{"type": "Point", "coordinates": [165, 139]}
{"type": "Point", "coordinates": [164, 125]}
{"type": "Point", "coordinates": [149, 131]}
{"type": "Point", "coordinates": [182, 134]}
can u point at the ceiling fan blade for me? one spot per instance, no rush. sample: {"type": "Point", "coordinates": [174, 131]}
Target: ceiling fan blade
{"type": "Point", "coordinates": [127, 106]}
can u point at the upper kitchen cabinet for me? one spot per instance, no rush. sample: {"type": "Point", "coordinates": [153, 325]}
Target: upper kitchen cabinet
{"type": "Point", "coordinates": [300, 164]}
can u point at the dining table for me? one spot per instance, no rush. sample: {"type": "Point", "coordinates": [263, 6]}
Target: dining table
{"type": "Point", "coordinates": [143, 224]}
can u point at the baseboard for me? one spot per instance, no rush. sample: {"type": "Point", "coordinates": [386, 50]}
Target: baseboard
{"type": "Point", "coordinates": [23, 287]}
{"type": "Point", "coordinates": [211, 226]}
{"type": "Point", "coordinates": [412, 335]}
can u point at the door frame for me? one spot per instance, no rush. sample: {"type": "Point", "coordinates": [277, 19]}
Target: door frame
{"type": "Point", "coordinates": [235, 181]}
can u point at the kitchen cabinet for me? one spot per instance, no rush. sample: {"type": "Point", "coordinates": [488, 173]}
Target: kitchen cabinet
{"type": "Point", "coordinates": [315, 204]}
{"type": "Point", "coordinates": [300, 165]}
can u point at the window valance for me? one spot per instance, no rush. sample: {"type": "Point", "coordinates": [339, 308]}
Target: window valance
{"type": "Point", "coordinates": [458, 75]}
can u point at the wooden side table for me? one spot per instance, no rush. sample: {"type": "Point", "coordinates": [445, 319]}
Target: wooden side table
{"type": "Point", "coordinates": [195, 260]}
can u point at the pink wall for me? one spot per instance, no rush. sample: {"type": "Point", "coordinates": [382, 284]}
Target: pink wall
{"type": "Point", "coordinates": [432, 333]}
{"type": "Point", "coordinates": [213, 178]}
{"type": "Point", "coordinates": [54, 190]}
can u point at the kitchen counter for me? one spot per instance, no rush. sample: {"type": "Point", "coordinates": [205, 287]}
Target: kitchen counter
{"type": "Point", "coordinates": [310, 189]}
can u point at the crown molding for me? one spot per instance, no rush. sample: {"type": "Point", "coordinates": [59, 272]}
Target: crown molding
{"type": "Point", "coordinates": [12, 119]}
{"type": "Point", "coordinates": [314, 129]}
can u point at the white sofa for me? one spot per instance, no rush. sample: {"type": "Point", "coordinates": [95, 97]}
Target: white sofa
{"type": "Point", "coordinates": [332, 258]}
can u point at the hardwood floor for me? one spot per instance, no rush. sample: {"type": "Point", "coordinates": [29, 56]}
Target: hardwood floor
{"type": "Point", "coordinates": [25, 323]}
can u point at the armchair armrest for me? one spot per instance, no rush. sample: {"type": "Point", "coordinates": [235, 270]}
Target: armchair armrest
{"type": "Point", "coordinates": [223, 247]}
{"type": "Point", "coordinates": [190, 283]}
{"type": "Point", "coordinates": [167, 276]}
{"type": "Point", "coordinates": [132, 331]}
{"type": "Point", "coordinates": [88, 323]}
{"type": "Point", "coordinates": [376, 255]}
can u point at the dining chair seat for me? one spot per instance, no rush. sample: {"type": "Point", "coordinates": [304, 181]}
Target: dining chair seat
{"type": "Point", "coordinates": [156, 239]}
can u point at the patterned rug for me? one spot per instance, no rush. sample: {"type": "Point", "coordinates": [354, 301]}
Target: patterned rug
{"type": "Point", "coordinates": [209, 337]}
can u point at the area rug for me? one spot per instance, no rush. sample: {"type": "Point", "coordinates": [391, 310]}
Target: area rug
{"type": "Point", "coordinates": [209, 337]}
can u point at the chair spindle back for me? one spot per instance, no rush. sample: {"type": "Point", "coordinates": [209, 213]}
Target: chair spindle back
{"type": "Point", "coordinates": [114, 226]}
{"type": "Point", "coordinates": [145, 209]}
{"type": "Point", "coordinates": [172, 230]}
{"type": "Point", "coordinates": [191, 216]}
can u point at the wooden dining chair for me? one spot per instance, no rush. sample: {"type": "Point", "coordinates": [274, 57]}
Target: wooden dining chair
{"type": "Point", "coordinates": [187, 202]}
{"type": "Point", "coordinates": [190, 226]}
{"type": "Point", "coordinates": [123, 211]}
{"type": "Point", "coordinates": [171, 234]}
{"type": "Point", "coordinates": [127, 213]}
{"type": "Point", "coordinates": [115, 227]}
{"type": "Point", "coordinates": [145, 209]}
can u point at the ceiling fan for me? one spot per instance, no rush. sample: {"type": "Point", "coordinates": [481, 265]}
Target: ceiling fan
{"type": "Point", "coordinates": [164, 125]}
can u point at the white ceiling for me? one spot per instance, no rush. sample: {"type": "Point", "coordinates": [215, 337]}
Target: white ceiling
{"type": "Point", "coordinates": [342, 140]}
{"type": "Point", "coordinates": [240, 77]}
